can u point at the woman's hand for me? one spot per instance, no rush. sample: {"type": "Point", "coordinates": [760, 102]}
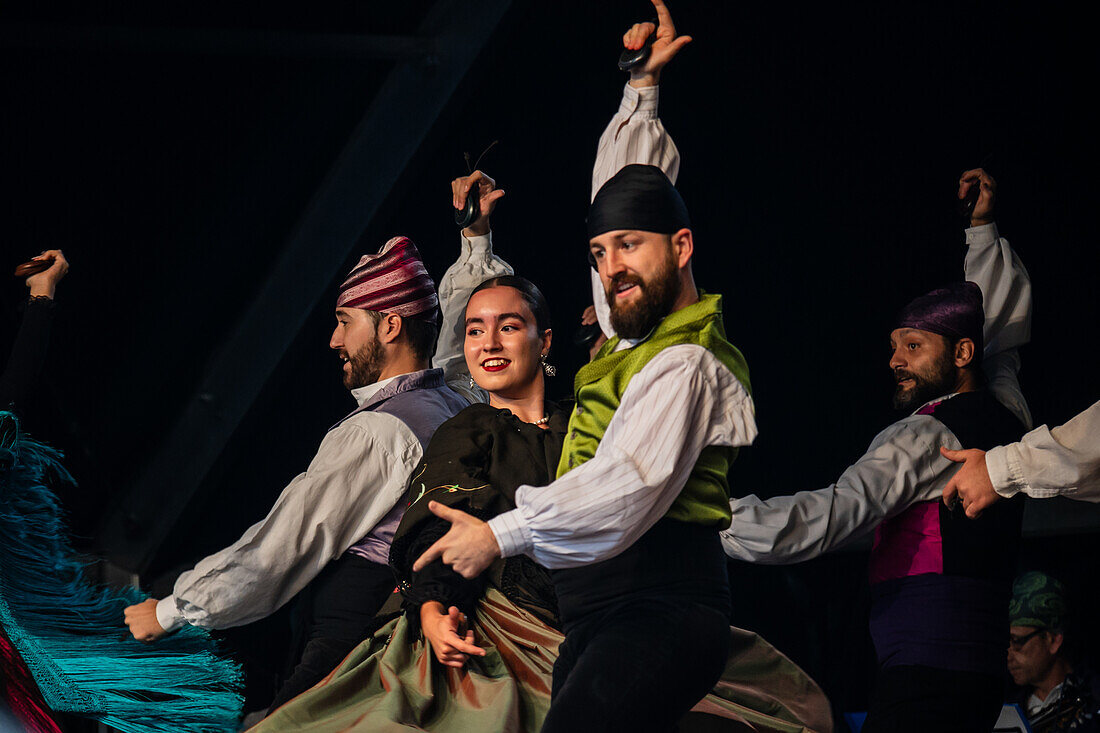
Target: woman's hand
{"type": "Point", "coordinates": [442, 629]}
{"type": "Point", "coordinates": [485, 188]}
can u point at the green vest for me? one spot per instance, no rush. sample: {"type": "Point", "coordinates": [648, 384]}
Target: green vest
{"type": "Point", "coordinates": [599, 389]}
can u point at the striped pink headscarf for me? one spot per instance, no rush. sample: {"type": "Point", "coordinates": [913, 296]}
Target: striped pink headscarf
{"type": "Point", "coordinates": [392, 281]}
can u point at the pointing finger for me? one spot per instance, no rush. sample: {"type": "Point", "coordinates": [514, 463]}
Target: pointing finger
{"type": "Point", "coordinates": [430, 555]}
{"type": "Point", "coordinates": [443, 512]}
{"type": "Point", "coordinates": [665, 18]}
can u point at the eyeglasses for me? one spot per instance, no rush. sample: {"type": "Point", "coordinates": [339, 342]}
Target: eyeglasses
{"type": "Point", "coordinates": [1017, 642]}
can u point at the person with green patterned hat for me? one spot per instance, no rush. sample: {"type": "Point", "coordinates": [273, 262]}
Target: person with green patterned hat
{"type": "Point", "coordinates": [1056, 694]}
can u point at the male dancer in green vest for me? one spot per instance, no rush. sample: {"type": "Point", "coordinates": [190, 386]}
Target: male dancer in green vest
{"type": "Point", "coordinates": [629, 526]}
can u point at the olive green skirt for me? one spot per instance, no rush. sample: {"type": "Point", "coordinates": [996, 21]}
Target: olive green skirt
{"type": "Point", "coordinates": [392, 682]}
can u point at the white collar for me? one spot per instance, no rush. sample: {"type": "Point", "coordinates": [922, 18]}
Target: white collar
{"type": "Point", "coordinates": [1034, 704]}
{"type": "Point", "coordinates": [625, 343]}
{"type": "Point", "coordinates": [362, 394]}
{"type": "Point", "coordinates": [935, 401]}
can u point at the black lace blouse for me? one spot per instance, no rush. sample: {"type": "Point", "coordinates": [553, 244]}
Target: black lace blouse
{"type": "Point", "coordinates": [475, 462]}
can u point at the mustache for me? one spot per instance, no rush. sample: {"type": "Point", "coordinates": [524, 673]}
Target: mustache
{"type": "Point", "coordinates": [901, 374]}
{"type": "Point", "coordinates": [623, 278]}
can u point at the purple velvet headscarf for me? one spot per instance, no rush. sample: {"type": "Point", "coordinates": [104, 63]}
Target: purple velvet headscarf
{"type": "Point", "coordinates": [955, 312]}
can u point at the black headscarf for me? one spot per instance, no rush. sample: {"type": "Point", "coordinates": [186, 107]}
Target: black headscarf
{"type": "Point", "coordinates": [638, 197]}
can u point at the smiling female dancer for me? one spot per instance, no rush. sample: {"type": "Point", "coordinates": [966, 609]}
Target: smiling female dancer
{"type": "Point", "coordinates": [488, 645]}
{"type": "Point", "coordinates": [479, 654]}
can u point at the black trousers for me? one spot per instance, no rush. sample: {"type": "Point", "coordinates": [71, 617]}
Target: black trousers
{"type": "Point", "coordinates": [333, 614]}
{"type": "Point", "coordinates": [639, 666]}
{"type": "Point", "coordinates": [914, 698]}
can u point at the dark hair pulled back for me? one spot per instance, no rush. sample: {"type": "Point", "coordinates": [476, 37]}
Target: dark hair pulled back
{"type": "Point", "coordinates": [530, 293]}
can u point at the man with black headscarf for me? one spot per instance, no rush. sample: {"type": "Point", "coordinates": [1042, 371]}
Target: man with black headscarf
{"type": "Point", "coordinates": [939, 582]}
{"type": "Point", "coordinates": [630, 525]}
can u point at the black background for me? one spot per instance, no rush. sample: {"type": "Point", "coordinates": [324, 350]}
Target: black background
{"type": "Point", "coordinates": [821, 147]}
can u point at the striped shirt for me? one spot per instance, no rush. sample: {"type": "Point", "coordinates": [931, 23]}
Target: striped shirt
{"type": "Point", "coordinates": [683, 400]}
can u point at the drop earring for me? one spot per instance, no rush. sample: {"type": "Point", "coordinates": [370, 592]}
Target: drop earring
{"type": "Point", "coordinates": [547, 369]}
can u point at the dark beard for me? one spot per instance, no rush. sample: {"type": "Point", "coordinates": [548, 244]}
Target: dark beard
{"type": "Point", "coordinates": [366, 366]}
{"type": "Point", "coordinates": [928, 386]}
{"type": "Point", "coordinates": [657, 299]}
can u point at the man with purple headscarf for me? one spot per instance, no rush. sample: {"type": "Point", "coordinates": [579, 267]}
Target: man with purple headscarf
{"type": "Point", "coordinates": [940, 582]}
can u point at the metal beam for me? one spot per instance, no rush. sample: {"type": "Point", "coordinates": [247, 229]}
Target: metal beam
{"type": "Point", "coordinates": [393, 128]}
{"type": "Point", "coordinates": [215, 42]}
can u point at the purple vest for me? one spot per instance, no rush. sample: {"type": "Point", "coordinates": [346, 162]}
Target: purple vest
{"type": "Point", "coordinates": [939, 581]}
{"type": "Point", "coordinates": [423, 401]}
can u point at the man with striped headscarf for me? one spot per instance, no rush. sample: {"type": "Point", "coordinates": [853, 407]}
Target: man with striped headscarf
{"type": "Point", "coordinates": [329, 532]}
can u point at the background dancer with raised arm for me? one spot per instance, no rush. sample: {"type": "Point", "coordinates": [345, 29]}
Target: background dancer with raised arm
{"type": "Point", "coordinates": [63, 649]}
{"type": "Point", "coordinates": [939, 583]}
{"type": "Point", "coordinates": [28, 352]}
{"type": "Point", "coordinates": [17, 382]}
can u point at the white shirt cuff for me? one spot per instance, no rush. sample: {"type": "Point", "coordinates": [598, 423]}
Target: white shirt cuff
{"type": "Point", "coordinates": [480, 243]}
{"type": "Point", "coordinates": [642, 102]}
{"type": "Point", "coordinates": [996, 463]}
{"type": "Point", "coordinates": [168, 616]}
{"type": "Point", "coordinates": [512, 533]}
{"type": "Point", "coordinates": [984, 234]}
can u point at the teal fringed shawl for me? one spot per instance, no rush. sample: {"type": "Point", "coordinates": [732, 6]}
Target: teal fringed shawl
{"type": "Point", "coordinates": [70, 633]}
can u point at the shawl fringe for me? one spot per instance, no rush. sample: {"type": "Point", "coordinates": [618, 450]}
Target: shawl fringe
{"type": "Point", "coordinates": [70, 632]}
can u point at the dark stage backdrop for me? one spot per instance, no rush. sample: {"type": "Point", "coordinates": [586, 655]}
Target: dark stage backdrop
{"type": "Point", "coordinates": [821, 150]}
